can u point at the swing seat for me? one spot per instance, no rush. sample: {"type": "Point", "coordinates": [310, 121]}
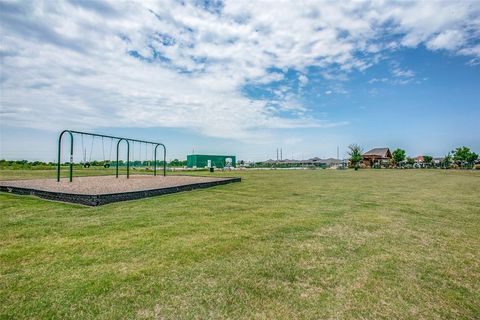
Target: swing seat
{"type": "Point", "coordinates": [86, 165]}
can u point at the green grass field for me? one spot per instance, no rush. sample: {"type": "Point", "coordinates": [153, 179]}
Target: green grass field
{"type": "Point", "coordinates": [307, 244]}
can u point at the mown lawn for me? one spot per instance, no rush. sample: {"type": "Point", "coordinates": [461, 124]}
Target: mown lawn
{"type": "Point", "coordinates": [279, 245]}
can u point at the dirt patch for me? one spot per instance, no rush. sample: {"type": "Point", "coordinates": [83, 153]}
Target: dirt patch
{"type": "Point", "coordinates": [99, 190]}
{"type": "Point", "coordinates": [108, 184]}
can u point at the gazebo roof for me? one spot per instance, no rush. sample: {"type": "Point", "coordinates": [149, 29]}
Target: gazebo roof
{"type": "Point", "coordinates": [378, 152]}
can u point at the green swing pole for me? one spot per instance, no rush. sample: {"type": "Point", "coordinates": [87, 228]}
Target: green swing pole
{"type": "Point", "coordinates": [128, 157]}
{"type": "Point", "coordinates": [155, 161]}
{"type": "Point", "coordinates": [71, 132]}
{"type": "Point", "coordinates": [164, 160]}
{"type": "Point", "coordinates": [60, 153]}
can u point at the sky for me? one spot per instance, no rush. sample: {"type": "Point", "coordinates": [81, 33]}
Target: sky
{"type": "Point", "coordinates": [240, 77]}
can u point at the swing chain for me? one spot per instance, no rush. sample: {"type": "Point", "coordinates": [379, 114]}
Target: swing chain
{"type": "Point", "coordinates": [86, 164]}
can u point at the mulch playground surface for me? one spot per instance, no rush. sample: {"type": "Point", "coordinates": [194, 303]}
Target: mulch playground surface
{"type": "Point", "coordinates": [100, 190]}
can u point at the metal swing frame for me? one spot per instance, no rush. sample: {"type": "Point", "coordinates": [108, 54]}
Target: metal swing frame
{"type": "Point", "coordinates": [120, 139]}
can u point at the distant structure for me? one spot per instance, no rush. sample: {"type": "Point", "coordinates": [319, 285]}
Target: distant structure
{"type": "Point", "coordinates": [419, 159]}
{"type": "Point", "coordinates": [281, 154]}
{"type": "Point", "coordinates": [377, 156]}
{"type": "Point", "coordinates": [210, 160]}
{"type": "Point", "coordinates": [317, 162]}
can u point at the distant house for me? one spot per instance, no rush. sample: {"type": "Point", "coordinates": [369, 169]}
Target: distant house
{"type": "Point", "coordinates": [312, 162]}
{"type": "Point", "coordinates": [377, 156]}
{"type": "Point", "coordinates": [419, 159]}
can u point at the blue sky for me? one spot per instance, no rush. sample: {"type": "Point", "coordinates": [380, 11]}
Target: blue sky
{"type": "Point", "coordinates": [241, 77]}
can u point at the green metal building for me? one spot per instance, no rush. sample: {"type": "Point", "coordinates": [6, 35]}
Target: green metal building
{"type": "Point", "coordinates": [218, 161]}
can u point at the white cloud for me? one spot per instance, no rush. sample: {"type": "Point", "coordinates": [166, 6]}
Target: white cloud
{"type": "Point", "coordinates": [303, 79]}
{"type": "Point", "coordinates": [373, 80]}
{"type": "Point", "coordinates": [448, 40]}
{"type": "Point", "coordinates": [271, 77]}
{"type": "Point", "coordinates": [87, 64]}
{"type": "Point", "coordinates": [397, 72]}
{"type": "Point", "coordinates": [474, 62]}
{"type": "Point", "coordinates": [471, 51]}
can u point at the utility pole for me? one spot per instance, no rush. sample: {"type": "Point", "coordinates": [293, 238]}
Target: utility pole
{"type": "Point", "coordinates": [281, 154]}
{"type": "Point", "coordinates": [338, 153]}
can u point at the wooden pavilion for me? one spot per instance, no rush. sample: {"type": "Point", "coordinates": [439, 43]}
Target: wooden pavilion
{"type": "Point", "coordinates": [377, 156]}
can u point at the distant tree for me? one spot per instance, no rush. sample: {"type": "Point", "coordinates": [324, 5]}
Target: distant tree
{"type": "Point", "coordinates": [446, 161]}
{"type": "Point", "coordinates": [463, 155]}
{"type": "Point", "coordinates": [427, 160]}
{"type": "Point", "coordinates": [398, 156]}
{"type": "Point", "coordinates": [355, 154]}
{"type": "Point", "coordinates": [175, 163]}
{"type": "Point", "coordinates": [410, 161]}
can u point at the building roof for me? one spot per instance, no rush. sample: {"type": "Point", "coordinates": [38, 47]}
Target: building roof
{"type": "Point", "coordinates": [328, 161]}
{"type": "Point", "coordinates": [209, 155]}
{"type": "Point", "coordinates": [378, 152]}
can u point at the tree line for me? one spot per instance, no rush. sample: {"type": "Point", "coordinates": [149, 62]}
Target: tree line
{"type": "Point", "coordinates": [25, 164]}
{"type": "Point", "coordinates": [461, 157]}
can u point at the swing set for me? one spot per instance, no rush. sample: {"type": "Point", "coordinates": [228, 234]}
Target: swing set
{"type": "Point", "coordinates": [87, 164]}
{"type": "Point", "coordinates": [106, 162]}
{"type": "Point", "coordinates": [146, 162]}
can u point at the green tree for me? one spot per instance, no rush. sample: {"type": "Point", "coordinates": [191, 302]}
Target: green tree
{"type": "Point", "coordinates": [410, 161]}
{"type": "Point", "coordinates": [175, 163]}
{"type": "Point", "coordinates": [463, 155]}
{"type": "Point", "coordinates": [398, 156]}
{"type": "Point", "coordinates": [427, 160]}
{"type": "Point", "coordinates": [446, 161]}
{"type": "Point", "coordinates": [355, 154]}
